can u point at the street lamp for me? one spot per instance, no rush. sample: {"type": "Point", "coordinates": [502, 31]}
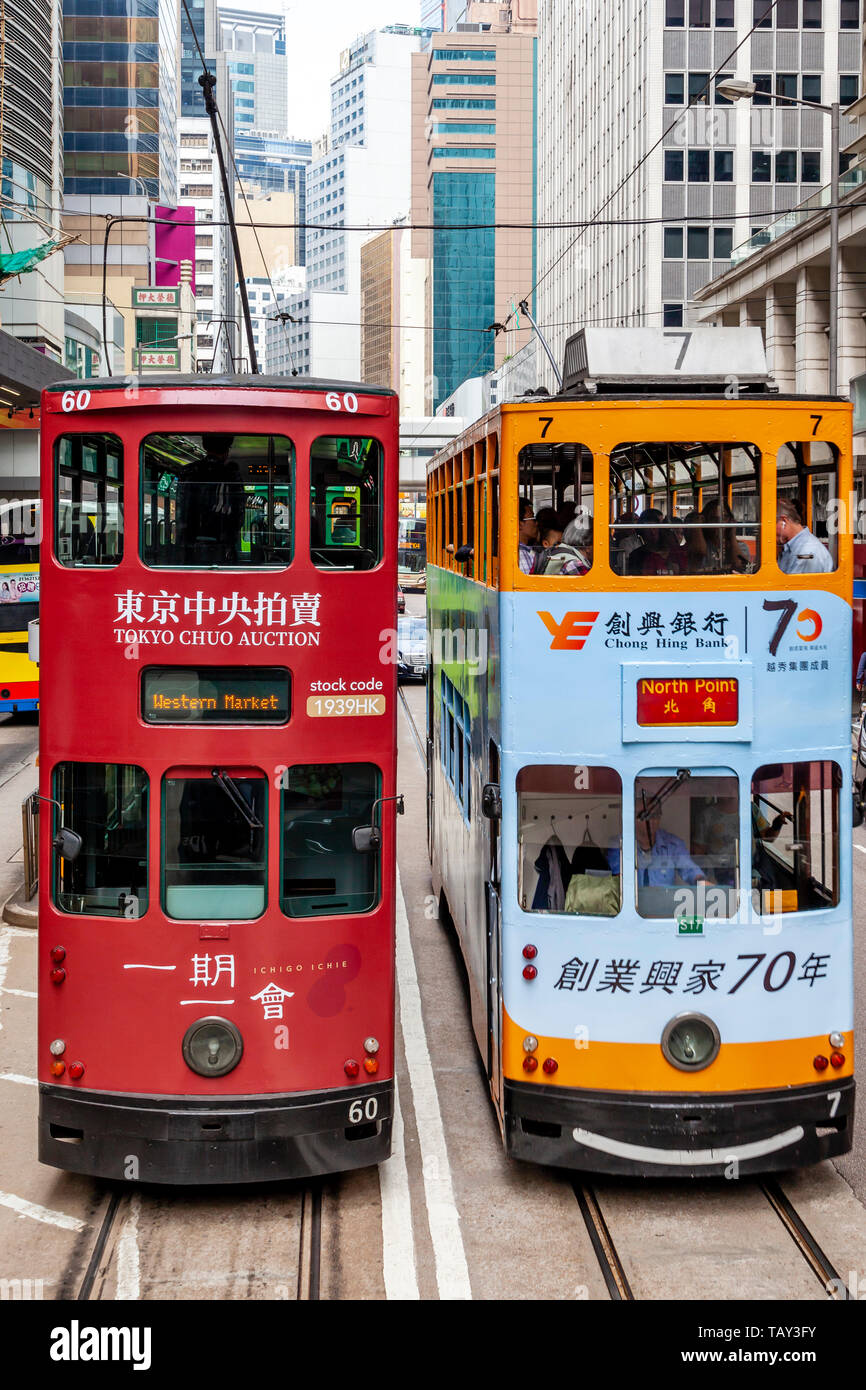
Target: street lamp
{"type": "Point", "coordinates": [735, 90]}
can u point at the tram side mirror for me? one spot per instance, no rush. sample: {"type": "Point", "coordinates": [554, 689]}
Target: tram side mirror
{"type": "Point", "coordinates": [491, 801]}
{"type": "Point", "coordinates": [67, 843]}
{"type": "Point", "coordinates": [366, 838]}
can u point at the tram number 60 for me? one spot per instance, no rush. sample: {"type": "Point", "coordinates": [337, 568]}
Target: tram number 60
{"type": "Point", "coordinates": [363, 1110]}
{"type": "Point", "coordinates": [74, 400]}
{"type": "Point", "coordinates": [348, 401]}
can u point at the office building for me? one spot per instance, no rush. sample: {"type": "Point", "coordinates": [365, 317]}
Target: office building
{"type": "Point", "coordinates": [267, 164]}
{"type": "Point", "coordinates": [393, 332]}
{"type": "Point", "coordinates": [200, 187]}
{"type": "Point", "coordinates": [473, 162]}
{"type": "Point", "coordinates": [616, 140]}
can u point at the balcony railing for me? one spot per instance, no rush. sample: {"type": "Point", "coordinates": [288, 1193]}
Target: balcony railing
{"type": "Point", "coordinates": [848, 181]}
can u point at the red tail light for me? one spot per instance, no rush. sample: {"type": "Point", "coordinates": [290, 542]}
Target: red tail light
{"type": "Point", "coordinates": [529, 972]}
{"type": "Point", "coordinates": [550, 1065]}
{"type": "Point", "coordinates": [351, 1068]}
{"type": "Point", "coordinates": [837, 1059]}
{"type": "Point", "coordinates": [820, 1063]}
{"type": "Point", "coordinates": [530, 1063]}
{"type": "Point", "coordinates": [76, 1070]}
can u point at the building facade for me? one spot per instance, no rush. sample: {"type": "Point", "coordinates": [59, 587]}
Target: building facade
{"type": "Point", "coordinates": [393, 331]}
{"type": "Point", "coordinates": [200, 187]}
{"type": "Point", "coordinates": [473, 166]}
{"type": "Point", "coordinates": [618, 141]}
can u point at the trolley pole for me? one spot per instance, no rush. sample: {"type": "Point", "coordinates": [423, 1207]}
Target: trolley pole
{"type": "Point", "coordinates": [207, 82]}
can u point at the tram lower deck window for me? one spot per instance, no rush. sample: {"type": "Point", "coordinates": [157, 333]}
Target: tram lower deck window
{"type": "Point", "coordinates": [106, 804]}
{"type": "Point", "coordinates": [214, 844]}
{"type": "Point", "coordinates": [795, 836]}
{"type": "Point", "coordinates": [322, 872]}
{"type": "Point", "coordinates": [217, 500]}
{"type": "Point", "coordinates": [687, 843]}
{"type": "Point", "coordinates": [570, 819]}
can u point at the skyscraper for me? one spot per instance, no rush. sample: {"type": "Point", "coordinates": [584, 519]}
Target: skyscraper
{"type": "Point", "coordinates": [473, 166]}
{"type": "Point", "coordinates": [685, 185]}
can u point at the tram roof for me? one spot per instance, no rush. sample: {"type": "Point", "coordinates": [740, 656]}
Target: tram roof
{"type": "Point", "coordinates": [204, 381]}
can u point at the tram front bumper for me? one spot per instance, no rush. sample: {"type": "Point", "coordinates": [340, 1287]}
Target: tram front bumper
{"type": "Point", "coordinates": [185, 1140]}
{"type": "Point", "coordinates": [695, 1136]}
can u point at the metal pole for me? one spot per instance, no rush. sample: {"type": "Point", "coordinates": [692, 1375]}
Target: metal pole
{"type": "Point", "coordinates": [207, 82]}
{"type": "Point", "coordinates": [833, 339]}
{"type": "Point", "coordinates": [524, 309]}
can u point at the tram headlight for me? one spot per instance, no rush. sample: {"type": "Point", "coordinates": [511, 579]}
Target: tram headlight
{"type": "Point", "coordinates": [212, 1046]}
{"type": "Point", "coordinates": [691, 1042]}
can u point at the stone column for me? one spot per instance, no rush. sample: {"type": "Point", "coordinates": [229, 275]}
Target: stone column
{"type": "Point", "coordinates": [852, 326]}
{"type": "Point", "coordinates": [781, 332]}
{"type": "Point", "coordinates": [811, 330]}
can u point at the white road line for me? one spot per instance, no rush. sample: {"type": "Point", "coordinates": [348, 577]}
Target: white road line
{"type": "Point", "coordinates": [398, 1241]}
{"type": "Point", "coordinates": [5, 942]}
{"type": "Point", "coordinates": [452, 1273]}
{"type": "Point", "coordinates": [21, 993]}
{"type": "Point", "coordinates": [21, 1080]}
{"type": "Point", "coordinates": [862, 848]}
{"type": "Point", "coordinates": [128, 1255]}
{"type": "Point", "coordinates": [44, 1214]}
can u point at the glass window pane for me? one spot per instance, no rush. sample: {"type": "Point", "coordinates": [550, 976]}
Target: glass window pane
{"type": "Point", "coordinates": [723, 242]}
{"type": "Point", "coordinates": [698, 243]}
{"type": "Point", "coordinates": [812, 15]}
{"type": "Point", "coordinates": [700, 14]}
{"type": "Point", "coordinates": [698, 86]}
{"type": "Point", "coordinates": [788, 14]}
{"type": "Point", "coordinates": [346, 503]}
{"type": "Point", "coordinates": [682, 508]}
{"type": "Point", "coordinates": [849, 89]}
{"type": "Point", "coordinates": [761, 166]}
{"type": "Point", "coordinates": [556, 509]}
{"type": "Point", "coordinates": [567, 839]}
{"type": "Point", "coordinates": [723, 166]}
{"type": "Point", "coordinates": [763, 88]}
{"type": "Point", "coordinates": [786, 87]}
{"type": "Point", "coordinates": [717, 97]}
{"type": "Point", "coordinates": [210, 500]}
{"type": "Point", "coordinates": [88, 519]}
{"type": "Point", "coordinates": [672, 315]}
{"type": "Point", "coordinates": [724, 14]}
{"type": "Point", "coordinates": [699, 166]}
{"type": "Point", "coordinates": [762, 14]}
{"type": "Point", "coordinates": [673, 166]}
{"type": "Point", "coordinates": [687, 843]}
{"type": "Point", "coordinates": [808, 488]}
{"type": "Point", "coordinates": [786, 166]}
{"type": "Point", "coordinates": [106, 804]}
{"type": "Point", "coordinates": [849, 14]}
{"type": "Point", "coordinates": [322, 874]}
{"type": "Point", "coordinates": [795, 836]}
{"type": "Point", "coordinates": [214, 845]}
{"type": "Point", "coordinates": [674, 87]}
{"type": "Point", "coordinates": [811, 89]}
{"type": "Point", "coordinates": [675, 11]}
{"type": "Point", "coordinates": [673, 243]}
{"type": "Point", "coordinates": [810, 166]}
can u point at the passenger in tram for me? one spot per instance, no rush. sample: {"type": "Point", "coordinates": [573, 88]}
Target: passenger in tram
{"type": "Point", "coordinates": [697, 558]}
{"type": "Point", "coordinates": [801, 552]}
{"type": "Point", "coordinates": [572, 555]}
{"type": "Point", "coordinates": [623, 542]}
{"type": "Point", "coordinates": [725, 554]}
{"type": "Point", "coordinates": [659, 550]}
{"type": "Point", "coordinates": [661, 857]}
{"type": "Point", "coordinates": [716, 834]}
{"type": "Point", "coordinates": [527, 537]}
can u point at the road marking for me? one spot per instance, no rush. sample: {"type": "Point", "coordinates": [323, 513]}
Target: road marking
{"type": "Point", "coordinates": [21, 1080]}
{"type": "Point", "coordinates": [44, 1214]}
{"type": "Point", "coordinates": [452, 1273]}
{"type": "Point", "coordinates": [398, 1241]}
{"type": "Point", "coordinates": [862, 848]}
{"type": "Point", "coordinates": [21, 993]}
{"type": "Point", "coordinates": [128, 1255]}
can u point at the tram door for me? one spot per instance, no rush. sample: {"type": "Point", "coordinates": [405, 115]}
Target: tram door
{"type": "Point", "coordinates": [492, 809]}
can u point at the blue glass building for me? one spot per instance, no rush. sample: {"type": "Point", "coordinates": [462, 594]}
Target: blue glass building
{"type": "Point", "coordinates": [276, 165]}
{"type": "Point", "coordinates": [464, 272]}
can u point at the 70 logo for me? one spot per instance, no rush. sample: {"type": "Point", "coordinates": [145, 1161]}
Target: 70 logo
{"type": "Point", "coordinates": [786, 608]}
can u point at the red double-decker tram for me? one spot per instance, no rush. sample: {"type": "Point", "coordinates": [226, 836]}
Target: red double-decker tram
{"type": "Point", "coordinates": [217, 761]}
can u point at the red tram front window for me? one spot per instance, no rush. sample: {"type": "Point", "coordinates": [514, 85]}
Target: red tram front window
{"type": "Point", "coordinates": [322, 872]}
{"type": "Point", "coordinates": [88, 516]}
{"type": "Point", "coordinates": [212, 500]}
{"type": "Point", "coordinates": [214, 845]}
{"type": "Point", "coordinates": [106, 804]}
{"type": "Point", "coordinates": [346, 503]}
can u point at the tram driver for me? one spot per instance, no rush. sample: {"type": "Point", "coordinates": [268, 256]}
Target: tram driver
{"type": "Point", "coordinates": [662, 860]}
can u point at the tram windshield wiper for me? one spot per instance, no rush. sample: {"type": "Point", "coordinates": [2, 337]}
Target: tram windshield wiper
{"type": "Point", "coordinates": [656, 802]}
{"type": "Point", "coordinates": [222, 777]}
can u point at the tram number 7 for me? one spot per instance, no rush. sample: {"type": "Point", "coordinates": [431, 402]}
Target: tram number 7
{"type": "Point", "coordinates": [363, 1110]}
{"type": "Point", "coordinates": [786, 608]}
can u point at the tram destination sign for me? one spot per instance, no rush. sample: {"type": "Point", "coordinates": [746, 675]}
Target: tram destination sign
{"type": "Point", "coordinates": [215, 695]}
{"type": "Point", "coordinates": [687, 700]}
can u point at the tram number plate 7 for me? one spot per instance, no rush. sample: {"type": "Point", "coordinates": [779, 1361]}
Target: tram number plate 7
{"type": "Point", "coordinates": [362, 1109]}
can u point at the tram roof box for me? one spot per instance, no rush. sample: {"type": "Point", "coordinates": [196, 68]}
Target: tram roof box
{"type": "Point", "coordinates": [682, 360]}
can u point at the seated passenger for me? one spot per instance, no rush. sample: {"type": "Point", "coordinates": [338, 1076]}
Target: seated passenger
{"type": "Point", "coordinates": [725, 553]}
{"type": "Point", "coordinates": [696, 557]}
{"type": "Point", "coordinates": [660, 856]}
{"type": "Point", "coordinates": [570, 556]}
{"type": "Point", "coordinates": [623, 541]}
{"type": "Point", "coordinates": [650, 556]}
{"type": "Point", "coordinates": [550, 534]}
{"type": "Point", "coordinates": [527, 537]}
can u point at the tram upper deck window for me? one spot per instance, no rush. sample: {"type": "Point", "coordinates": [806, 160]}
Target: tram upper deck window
{"type": "Point", "coordinates": [346, 503]}
{"type": "Point", "coordinates": [795, 836]}
{"type": "Point", "coordinates": [568, 818]}
{"type": "Point", "coordinates": [687, 842]}
{"type": "Point", "coordinates": [556, 507]}
{"type": "Point", "coordinates": [106, 804]}
{"type": "Point", "coordinates": [322, 873]}
{"type": "Point", "coordinates": [214, 845]}
{"type": "Point", "coordinates": [88, 500]}
{"type": "Point", "coordinates": [807, 511]}
{"type": "Point", "coordinates": [217, 501]}
{"type": "Point", "coordinates": [684, 508]}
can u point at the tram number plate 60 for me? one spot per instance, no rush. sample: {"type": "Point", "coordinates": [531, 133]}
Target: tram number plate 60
{"type": "Point", "coordinates": [362, 1109]}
